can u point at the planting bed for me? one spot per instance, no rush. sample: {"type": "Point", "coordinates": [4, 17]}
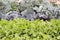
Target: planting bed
{"type": "Point", "coordinates": [30, 10]}
{"type": "Point", "coordinates": [29, 20]}
{"type": "Point", "coordinates": [21, 29]}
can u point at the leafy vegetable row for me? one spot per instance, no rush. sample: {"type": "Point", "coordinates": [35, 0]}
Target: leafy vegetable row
{"type": "Point", "coordinates": [21, 29]}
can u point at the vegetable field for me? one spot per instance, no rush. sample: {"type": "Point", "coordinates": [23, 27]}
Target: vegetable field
{"type": "Point", "coordinates": [21, 29]}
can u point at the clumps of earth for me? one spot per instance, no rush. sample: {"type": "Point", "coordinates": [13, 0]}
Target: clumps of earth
{"type": "Point", "coordinates": [29, 10]}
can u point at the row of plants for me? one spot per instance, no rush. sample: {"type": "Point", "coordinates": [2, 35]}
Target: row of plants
{"type": "Point", "coordinates": [21, 29]}
{"type": "Point", "coordinates": [8, 5]}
